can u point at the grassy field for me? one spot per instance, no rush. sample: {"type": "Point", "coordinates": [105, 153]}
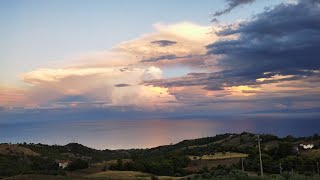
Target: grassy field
{"type": "Point", "coordinates": [205, 145]}
{"type": "Point", "coordinates": [312, 152]}
{"type": "Point", "coordinates": [131, 175]}
{"type": "Point", "coordinates": [120, 175]}
{"type": "Point", "coordinates": [46, 177]}
{"type": "Point", "coordinates": [108, 175]}
{"type": "Point", "coordinates": [269, 177]}
{"type": "Point", "coordinates": [228, 158]}
{"type": "Point", "coordinates": [128, 175]}
{"type": "Point", "coordinates": [219, 156]}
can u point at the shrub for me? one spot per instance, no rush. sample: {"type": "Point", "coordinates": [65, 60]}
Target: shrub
{"type": "Point", "coordinates": [78, 164]}
{"type": "Point", "coordinates": [206, 175]}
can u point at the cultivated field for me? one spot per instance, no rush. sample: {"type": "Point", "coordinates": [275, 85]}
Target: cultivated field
{"type": "Point", "coordinates": [219, 156]}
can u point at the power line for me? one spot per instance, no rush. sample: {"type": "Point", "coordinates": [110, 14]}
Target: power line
{"type": "Point", "coordinates": [242, 164]}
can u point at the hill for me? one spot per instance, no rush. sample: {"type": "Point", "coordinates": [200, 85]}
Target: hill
{"type": "Point", "coordinates": [14, 149]}
{"type": "Point", "coordinates": [227, 152]}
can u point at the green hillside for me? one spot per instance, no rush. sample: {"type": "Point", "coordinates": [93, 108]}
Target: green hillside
{"type": "Point", "coordinates": [223, 154]}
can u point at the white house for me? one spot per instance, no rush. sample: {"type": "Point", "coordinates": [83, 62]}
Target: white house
{"type": "Point", "coordinates": [63, 163]}
{"type": "Point", "coordinates": [307, 146]}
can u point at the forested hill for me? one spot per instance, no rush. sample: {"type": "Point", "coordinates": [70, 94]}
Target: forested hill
{"type": "Point", "coordinates": [183, 158]}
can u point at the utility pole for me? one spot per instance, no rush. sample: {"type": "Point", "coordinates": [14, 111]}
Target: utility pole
{"type": "Point", "coordinates": [261, 167]}
{"type": "Point", "coordinates": [280, 167]}
{"type": "Point", "coordinates": [242, 164]}
{"type": "Point", "coordinates": [312, 168]}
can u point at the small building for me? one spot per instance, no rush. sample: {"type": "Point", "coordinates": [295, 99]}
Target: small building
{"type": "Point", "coordinates": [307, 146]}
{"type": "Point", "coordinates": [63, 163]}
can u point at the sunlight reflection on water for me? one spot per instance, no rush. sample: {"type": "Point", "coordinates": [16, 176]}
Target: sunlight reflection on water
{"type": "Point", "coordinates": [117, 134]}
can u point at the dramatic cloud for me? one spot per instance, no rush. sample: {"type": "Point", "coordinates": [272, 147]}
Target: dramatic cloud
{"type": "Point", "coordinates": [263, 60]}
{"type": "Point", "coordinates": [95, 78]}
{"type": "Point", "coordinates": [284, 40]}
{"type": "Point", "coordinates": [265, 63]}
{"type": "Point", "coordinates": [272, 45]}
{"type": "Point", "coordinates": [231, 5]}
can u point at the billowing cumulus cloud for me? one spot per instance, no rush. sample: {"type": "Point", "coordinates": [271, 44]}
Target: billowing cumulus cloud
{"type": "Point", "coordinates": [189, 40]}
{"type": "Point", "coordinates": [111, 78]}
{"type": "Point", "coordinates": [92, 85]}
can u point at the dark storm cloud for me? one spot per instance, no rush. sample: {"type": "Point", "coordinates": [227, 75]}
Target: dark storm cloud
{"type": "Point", "coordinates": [285, 40]}
{"type": "Point", "coordinates": [219, 80]}
{"type": "Point", "coordinates": [122, 85]}
{"type": "Point", "coordinates": [164, 43]}
{"type": "Point", "coordinates": [282, 41]}
{"type": "Point", "coordinates": [231, 5]}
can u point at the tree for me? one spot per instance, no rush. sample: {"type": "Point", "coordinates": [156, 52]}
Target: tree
{"type": "Point", "coordinates": [78, 164]}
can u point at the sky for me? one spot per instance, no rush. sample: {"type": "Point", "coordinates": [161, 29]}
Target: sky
{"type": "Point", "coordinates": [117, 69]}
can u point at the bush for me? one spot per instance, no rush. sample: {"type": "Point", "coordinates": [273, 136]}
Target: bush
{"type": "Point", "coordinates": [153, 177]}
{"type": "Point", "coordinates": [78, 164]}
